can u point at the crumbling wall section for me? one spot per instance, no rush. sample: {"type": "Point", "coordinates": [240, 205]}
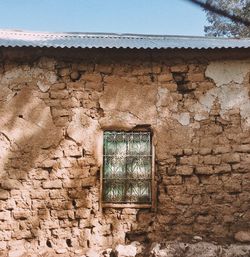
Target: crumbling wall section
{"type": "Point", "coordinates": [52, 114]}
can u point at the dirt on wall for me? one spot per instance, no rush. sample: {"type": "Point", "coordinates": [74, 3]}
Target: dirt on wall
{"type": "Point", "coordinates": [52, 114]}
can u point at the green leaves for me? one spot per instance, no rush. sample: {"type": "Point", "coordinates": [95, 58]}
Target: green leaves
{"type": "Point", "coordinates": [221, 26]}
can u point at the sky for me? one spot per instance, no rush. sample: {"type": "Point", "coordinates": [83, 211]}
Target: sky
{"type": "Point", "coordinates": [165, 17]}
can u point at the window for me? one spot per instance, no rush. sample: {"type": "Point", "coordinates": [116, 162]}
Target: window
{"type": "Point", "coordinates": [127, 168]}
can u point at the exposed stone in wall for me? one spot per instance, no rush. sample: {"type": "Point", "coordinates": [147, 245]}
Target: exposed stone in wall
{"type": "Point", "coordinates": [52, 114]}
{"type": "Point", "coordinates": [204, 249]}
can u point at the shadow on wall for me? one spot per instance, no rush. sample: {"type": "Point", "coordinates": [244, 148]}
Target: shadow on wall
{"type": "Point", "coordinates": [45, 175]}
{"type": "Point", "coordinates": [49, 175]}
{"type": "Point", "coordinates": [49, 189]}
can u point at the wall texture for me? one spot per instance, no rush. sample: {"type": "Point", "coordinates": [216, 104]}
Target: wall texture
{"type": "Point", "coordinates": [52, 114]}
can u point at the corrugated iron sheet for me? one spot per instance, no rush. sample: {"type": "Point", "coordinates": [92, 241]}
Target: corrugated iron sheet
{"type": "Point", "coordinates": [10, 38]}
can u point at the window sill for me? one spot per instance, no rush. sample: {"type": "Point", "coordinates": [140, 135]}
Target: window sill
{"type": "Point", "coordinates": [126, 205]}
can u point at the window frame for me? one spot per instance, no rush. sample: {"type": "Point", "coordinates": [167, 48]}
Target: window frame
{"type": "Point", "coordinates": [152, 204]}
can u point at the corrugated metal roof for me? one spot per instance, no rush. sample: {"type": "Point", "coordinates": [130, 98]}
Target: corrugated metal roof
{"type": "Point", "coordinates": [15, 38]}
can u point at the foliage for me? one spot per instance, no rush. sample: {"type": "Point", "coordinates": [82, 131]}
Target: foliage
{"type": "Point", "coordinates": [221, 26]}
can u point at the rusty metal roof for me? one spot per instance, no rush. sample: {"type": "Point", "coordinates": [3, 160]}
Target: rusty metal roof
{"type": "Point", "coordinates": [16, 38]}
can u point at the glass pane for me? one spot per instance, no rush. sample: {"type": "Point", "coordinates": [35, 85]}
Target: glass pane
{"type": "Point", "coordinates": [139, 167]}
{"type": "Point", "coordinates": [114, 167]}
{"type": "Point", "coordinates": [139, 143]}
{"type": "Point", "coordinates": [114, 191]}
{"type": "Point", "coordinates": [139, 191]}
{"type": "Point", "coordinates": [127, 167]}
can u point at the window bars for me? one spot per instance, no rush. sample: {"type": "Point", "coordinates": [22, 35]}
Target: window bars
{"type": "Point", "coordinates": [127, 167]}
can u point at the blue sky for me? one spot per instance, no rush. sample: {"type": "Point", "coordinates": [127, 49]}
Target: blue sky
{"type": "Point", "coordinates": [172, 17]}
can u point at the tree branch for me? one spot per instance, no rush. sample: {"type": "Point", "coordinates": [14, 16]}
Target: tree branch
{"type": "Point", "coordinates": [214, 9]}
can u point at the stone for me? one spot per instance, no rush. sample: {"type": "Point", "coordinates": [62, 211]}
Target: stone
{"type": "Point", "coordinates": [233, 184]}
{"type": "Point", "coordinates": [188, 151]}
{"type": "Point", "coordinates": [200, 116]}
{"type": "Point", "coordinates": [104, 68]}
{"type": "Point", "coordinates": [205, 151]}
{"type": "Point", "coordinates": [125, 250]}
{"type": "Point", "coordinates": [172, 180]}
{"type": "Point", "coordinates": [75, 75]}
{"type": "Point", "coordinates": [60, 250]}
{"type": "Point", "coordinates": [5, 215]}
{"type": "Point", "coordinates": [242, 148]}
{"type": "Point", "coordinates": [166, 77]}
{"type": "Point", "coordinates": [88, 182]}
{"type": "Point", "coordinates": [4, 194]}
{"type": "Point", "coordinates": [197, 238]}
{"type": "Point", "coordinates": [11, 184]}
{"type": "Point", "coordinates": [3, 245]}
{"type": "Point", "coordinates": [108, 252]}
{"type": "Point", "coordinates": [59, 112]}
{"type": "Point", "coordinates": [58, 86]}
{"type": "Point", "coordinates": [39, 194]}
{"type": "Point", "coordinates": [192, 160]}
{"type": "Point", "coordinates": [205, 219]}
{"type": "Point", "coordinates": [206, 170]}
{"type": "Point", "coordinates": [73, 152]}
{"type": "Point", "coordinates": [183, 199]}
{"type": "Point", "coordinates": [183, 118]}
{"type": "Point", "coordinates": [91, 253]}
{"type": "Point", "coordinates": [93, 86]}
{"type": "Point", "coordinates": [179, 68]}
{"type": "Point", "coordinates": [139, 247]}
{"type": "Point", "coordinates": [231, 158]}
{"type": "Point", "coordinates": [92, 77]}
{"type": "Point", "coordinates": [52, 184]}
{"type": "Point", "coordinates": [83, 213]}
{"type": "Point", "coordinates": [222, 149]}
{"type": "Point", "coordinates": [21, 214]}
{"type": "Point", "coordinates": [195, 77]}
{"type": "Point", "coordinates": [242, 236]}
{"type": "Point", "coordinates": [64, 71]}
{"type": "Point", "coordinates": [213, 160]}
{"type": "Point", "coordinates": [184, 170]}
{"type": "Point", "coordinates": [43, 86]}
{"type": "Point", "coordinates": [223, 168]}
{"type": "Point", "coordinates": [17, 253]}
{"type": "Point", "coordinates": [176, 152]}
{"type": "Point", "coordinates": [170, 250]}
{"type": "Point", "coordinates": [62, 94]}
{"type": "Point", "coordinates": [154, 248]}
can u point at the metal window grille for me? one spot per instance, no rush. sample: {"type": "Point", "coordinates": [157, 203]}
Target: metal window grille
{"type": "Point", "coordinates": [127, 169]}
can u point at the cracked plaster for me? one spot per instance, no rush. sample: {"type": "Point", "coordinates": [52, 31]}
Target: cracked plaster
{"type": "Point", "coordinates": [228, 71]}
{"type": "Point", "coordinates": [132, 101]}
{"type": "Point", "coordinates": [230, 91]}
{"type": "Point", "coordinates": [85, 131]}
{"type": "Point", "coordinates": [121, 104]}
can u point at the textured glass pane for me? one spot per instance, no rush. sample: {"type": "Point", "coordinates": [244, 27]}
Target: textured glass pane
{"type": "Point", "coordinates": [139, 144]}
{"type": "Point", "coordinates": [114, 191]}
{"type": "Point", "coordinates": [139, 167]}
{"type": "Point", "coordinates": [115, 167]}
{"type": "Point", "coordinates": [138, 191]}
{"type": "Point", "coordinates": [127, 167]}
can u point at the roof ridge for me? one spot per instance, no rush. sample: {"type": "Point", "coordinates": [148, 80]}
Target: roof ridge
{"type": "Point", "coordinates": [110, 35]}
{"type": "Point", "coordinates": [19, 38]}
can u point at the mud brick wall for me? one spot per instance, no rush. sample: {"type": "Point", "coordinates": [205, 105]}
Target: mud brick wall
{"type": "Point", "coordinates": [53, 109]}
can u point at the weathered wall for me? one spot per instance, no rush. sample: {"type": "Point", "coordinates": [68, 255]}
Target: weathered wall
{"type": "Point", "coordinates": [52, 113]}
